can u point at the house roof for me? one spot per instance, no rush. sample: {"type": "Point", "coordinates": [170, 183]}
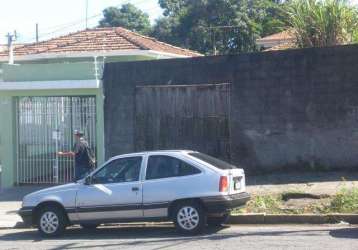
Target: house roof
{"type": "Point", "coordinates": [286, 35]}
{"type": "Point", "coordinates": [282, 40]}
{"type": "Point", "coordinates": [282, 46]}
{"type": "Point", "coordinates": [3, 47]}
{"type": "Point", "coordinates": [109, 39]}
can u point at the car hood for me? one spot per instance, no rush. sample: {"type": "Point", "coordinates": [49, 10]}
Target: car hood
{"type": "Point", "coordinates": [54, 190]}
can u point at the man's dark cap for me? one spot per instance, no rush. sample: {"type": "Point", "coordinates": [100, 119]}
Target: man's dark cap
{"type": "Point", "coordinates": [78, 132]}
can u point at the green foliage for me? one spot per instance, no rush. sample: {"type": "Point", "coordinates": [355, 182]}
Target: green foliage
{"type": "Point", "coordinates": [345, 201]}
{"type": "Point", "coordinates": [275, 19]}
{"type": "Point", "coordinates": [264, 204]}
{"type": "Point", "coordinates": [319, 23]}
{"type": "Point", "coordinates": [128, 16]}
{"type": "Point", "coordinates": [224, 26]}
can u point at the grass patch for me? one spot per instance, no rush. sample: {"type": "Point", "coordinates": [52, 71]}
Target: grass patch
{"type": "Point", "coordinates": [345, 201]}
{"type": "Point", "coordinates": [264, 203]}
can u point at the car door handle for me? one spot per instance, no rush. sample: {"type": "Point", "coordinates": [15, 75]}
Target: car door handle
{"type": "Point", "coordinates": [135, 189]}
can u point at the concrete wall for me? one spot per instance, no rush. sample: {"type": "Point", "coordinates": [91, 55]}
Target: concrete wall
{"type": "Point", "coordinates": [289, 109]}
{"type": "Point", "coordinates": [55, 71]}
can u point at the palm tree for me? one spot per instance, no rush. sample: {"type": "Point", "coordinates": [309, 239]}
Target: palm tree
{"type": "Point", "coordinates": [319, 23]}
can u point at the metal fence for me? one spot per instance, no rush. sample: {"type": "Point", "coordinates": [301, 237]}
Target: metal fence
{"type": "Point", "coordinates": [45, 126]}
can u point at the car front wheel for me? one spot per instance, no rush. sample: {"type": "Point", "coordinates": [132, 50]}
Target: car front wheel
{"type": "Point", "coordinates": [189, 218]}
{"type": "Point", "coordinates": [51, 221]}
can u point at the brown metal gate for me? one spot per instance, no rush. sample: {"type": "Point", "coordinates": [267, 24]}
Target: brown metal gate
{"type": "Point", "coordinates": [192, 117]}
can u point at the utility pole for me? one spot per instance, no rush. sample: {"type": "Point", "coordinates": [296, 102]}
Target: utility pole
{"type": "Point", "coordinates": [37, 32]}
{"type": "Point", "coordinates": [10, 39]}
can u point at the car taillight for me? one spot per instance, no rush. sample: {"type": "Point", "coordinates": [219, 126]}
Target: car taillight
{"type": "Point", "coordinates": [223, 186]}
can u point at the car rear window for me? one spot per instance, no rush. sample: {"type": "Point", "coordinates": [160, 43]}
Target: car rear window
{"type": "Point", "coordinates": [212, 161]}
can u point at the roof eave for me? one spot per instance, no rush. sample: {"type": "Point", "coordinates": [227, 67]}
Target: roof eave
{"type": "Point", "coordinates": [132, 52]}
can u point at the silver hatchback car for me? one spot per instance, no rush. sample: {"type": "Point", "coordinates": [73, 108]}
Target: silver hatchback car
{"type": "Point", "coordinates": [189, 188]}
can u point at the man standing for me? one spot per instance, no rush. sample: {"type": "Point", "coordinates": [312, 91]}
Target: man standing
{"type": "Point", "coordinates": [84, 160]}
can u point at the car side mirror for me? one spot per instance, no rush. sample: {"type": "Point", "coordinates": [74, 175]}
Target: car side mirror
{"type": "Point", "coordinates": [88, 180]}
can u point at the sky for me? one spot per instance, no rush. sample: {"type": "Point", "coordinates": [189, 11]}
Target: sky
{"type": "Point", "coordinates": [58, 17]}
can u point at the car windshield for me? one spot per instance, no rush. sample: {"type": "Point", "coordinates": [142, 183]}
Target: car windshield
{"type": "Point", "coordinates": [212, 161]}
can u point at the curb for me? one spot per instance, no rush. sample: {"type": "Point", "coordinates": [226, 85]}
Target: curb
{"type": "Point", "coordinates": [293, 219]}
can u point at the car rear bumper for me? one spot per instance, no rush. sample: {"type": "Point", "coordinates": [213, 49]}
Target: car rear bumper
{"type": "Point", "coordinates": [26, 215]}
{"type": "Point", "coordinates": [225, 203]}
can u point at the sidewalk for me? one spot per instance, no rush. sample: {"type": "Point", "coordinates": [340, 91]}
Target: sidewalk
{"type": "Point", "coordinates": [10, 202]}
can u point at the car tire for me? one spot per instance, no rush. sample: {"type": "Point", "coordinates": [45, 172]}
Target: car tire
{"type": "Point", "coordinates": [51, 221]}
{"type": "Point", "coordinates": [89, 226]}
{"type": "Point", "coordinates": [217, 221]}
{"type": "Point", "coordinates": [189, 217]}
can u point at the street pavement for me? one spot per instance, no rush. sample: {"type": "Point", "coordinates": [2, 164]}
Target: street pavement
{"type": "Point", "coordinates": [164, 236]}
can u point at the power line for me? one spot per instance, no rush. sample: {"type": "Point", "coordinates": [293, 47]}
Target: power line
{"type": "Point", "coordinates": [79, 21]}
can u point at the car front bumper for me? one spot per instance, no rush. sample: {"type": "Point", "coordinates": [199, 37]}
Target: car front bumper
{"type": "Point", "coordinates": [26, 214]}
{"type": "Point", "coordinates": [225, 203]}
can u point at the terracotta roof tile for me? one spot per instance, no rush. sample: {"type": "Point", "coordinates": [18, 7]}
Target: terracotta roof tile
{"type": "Point", "coordinates": [146, 42]}
{"type": "Point", "coordinates": [98, 39]}
{"type": "Point", "coordinates": [286, 35]}
{"type": "Point", "coordinates": [283, 46]}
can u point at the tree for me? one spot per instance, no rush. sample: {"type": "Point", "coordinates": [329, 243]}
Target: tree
{"type": "Point", "coordinates": [224, 26]}
{"type": "Point", "coordinates": [128, 16]}
{"type": "Point", "coordinates": [275, 19]}
{"type": "Point", "coordinates": [319, 23]}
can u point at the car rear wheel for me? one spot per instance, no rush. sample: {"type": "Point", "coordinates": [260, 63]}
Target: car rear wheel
{"type": "Point", "coordinates": [51, 221]}
{"type": "Point", "coordinates": [189, 217]}
{"type": "Point", "coordinates": [217, 221]}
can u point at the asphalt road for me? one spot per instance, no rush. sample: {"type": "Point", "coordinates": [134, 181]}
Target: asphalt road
{"type": "Point", "coordinates": [165, 237]}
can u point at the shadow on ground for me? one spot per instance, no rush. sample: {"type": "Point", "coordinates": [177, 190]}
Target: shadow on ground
{"type": "Point", "coordinates": [160, 234]}
{"type": "Point", "coordinates": [350, 233]}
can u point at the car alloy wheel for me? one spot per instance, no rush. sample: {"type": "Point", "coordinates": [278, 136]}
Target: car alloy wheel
{"type": "Point", "coordinates": [49, 222]}
{"type": "Point", "coordinates": [188, 218]}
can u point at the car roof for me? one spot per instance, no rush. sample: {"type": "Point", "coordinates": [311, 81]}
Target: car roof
{"type": "Point", "coordinates": [184, 151]}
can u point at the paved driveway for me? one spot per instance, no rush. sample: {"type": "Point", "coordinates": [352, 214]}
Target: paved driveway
{"type": "Point", "coordinates": [165, 237]}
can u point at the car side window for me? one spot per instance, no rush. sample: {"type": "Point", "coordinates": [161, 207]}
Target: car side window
{"type": "Point", "coordinates": [161, 166]}
{"type": "Point", "coordinates": [120, 170]}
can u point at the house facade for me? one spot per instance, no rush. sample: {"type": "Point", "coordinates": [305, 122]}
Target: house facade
{"type": "Point", "coordinates": [53, 88]}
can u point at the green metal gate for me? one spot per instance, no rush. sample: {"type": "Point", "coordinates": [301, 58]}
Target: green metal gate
{"type": "Point", "coordinates": [45, 126]}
